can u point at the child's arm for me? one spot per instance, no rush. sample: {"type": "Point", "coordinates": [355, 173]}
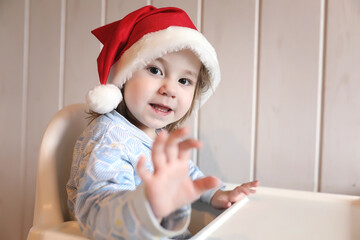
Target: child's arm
{"type": "Point", "coordinates": [170, 186]}
{"type": "Point", "coordinates": [224, 199]}
{"type": "Point", "coordinates": [103, 194]}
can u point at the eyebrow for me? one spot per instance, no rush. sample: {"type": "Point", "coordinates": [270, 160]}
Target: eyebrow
{"type": "Point", "coordinates": [192, 73]}
{"type": "Point", "coordinates": [187, 71]}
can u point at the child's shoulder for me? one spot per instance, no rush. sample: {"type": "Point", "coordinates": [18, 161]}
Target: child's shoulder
{"type": "Point", "coordinates": [108, 123]}
{"type": "Point", "coordinates": [117, 128]}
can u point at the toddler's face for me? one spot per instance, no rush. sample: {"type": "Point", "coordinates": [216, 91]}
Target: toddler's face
{"type": "Point", "coordinates": [162, 92]}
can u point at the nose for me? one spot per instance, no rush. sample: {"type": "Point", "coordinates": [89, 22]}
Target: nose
{"type": "Point", "coordinates": [168, 88]}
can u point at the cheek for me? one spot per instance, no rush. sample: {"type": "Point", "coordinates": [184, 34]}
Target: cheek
{"type": "Point", "coordinates": [134, 92]}
{"type": "Point", "coordinates": [133, 98]}
{"type": "Point", "coordinates": [187, 101]}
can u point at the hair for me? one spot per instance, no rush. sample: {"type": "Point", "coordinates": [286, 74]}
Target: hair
{"type": "Point", "coordinates": [203, 83]}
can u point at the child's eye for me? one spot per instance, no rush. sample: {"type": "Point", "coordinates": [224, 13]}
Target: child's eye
{"type": "Point", "coordinates": [184, 81]}
{"type": "Point", "coordinates": [154, 70]}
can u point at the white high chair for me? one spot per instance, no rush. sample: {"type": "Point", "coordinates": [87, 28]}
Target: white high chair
{"type": "Point", "coordinates": [51, 216]}
{"type": "Point", "coordinates": [52, 220]}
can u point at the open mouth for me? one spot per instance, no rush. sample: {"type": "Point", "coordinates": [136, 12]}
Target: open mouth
{"type": "Point", "coordinates": [161, 108]}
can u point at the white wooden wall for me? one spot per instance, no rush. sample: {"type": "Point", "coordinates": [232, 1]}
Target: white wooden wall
{"type": "Point", "coordinates": [287, 111]}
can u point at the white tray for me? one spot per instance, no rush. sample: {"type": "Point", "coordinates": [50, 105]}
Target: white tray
{"type": "Point", "coordinates": [287, 214]}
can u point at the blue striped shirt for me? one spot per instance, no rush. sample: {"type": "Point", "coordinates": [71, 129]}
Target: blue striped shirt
{"type": "Point", "coordinates": [104, 191]}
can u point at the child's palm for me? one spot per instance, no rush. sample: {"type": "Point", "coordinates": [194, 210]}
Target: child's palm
{"type": "Point", "coordinates": [170, 186]}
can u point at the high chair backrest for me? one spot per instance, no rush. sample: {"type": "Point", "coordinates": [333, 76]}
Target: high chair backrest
{"type": "Point", "coordinates": [54, 164]}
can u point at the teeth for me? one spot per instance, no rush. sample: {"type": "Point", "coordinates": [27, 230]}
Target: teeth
{"type": "Point", "coordinates": [162, 109]}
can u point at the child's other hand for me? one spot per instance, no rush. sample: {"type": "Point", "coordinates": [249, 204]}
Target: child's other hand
{"type": "Point", "coordinates": [224, 199]}
{"type": "Point", "coordinates": [170, 186]}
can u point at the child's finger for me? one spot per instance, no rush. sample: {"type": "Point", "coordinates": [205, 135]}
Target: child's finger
{"type": "Point", "coordinates": [158, 154]}
{"type": "Point", "coordinates": [172, 143]}
{"type": "Point", "coordinates": [240, 191]}
{"type": "Point", "coordinates": [251, 184]}
{"type": "Point", "coordinates": [235, 197]}
{"type": "Point", "coordinates": [252, 190]}
{"type": "Point", "coordinates": [141, 170]}
{"type": "Point", "coordinates": [203, 184]}
{"type": "Point", "coordinates": [186, 146]}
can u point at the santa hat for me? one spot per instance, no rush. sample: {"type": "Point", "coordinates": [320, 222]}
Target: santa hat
{"type": "Point", "coordinates": [139, 38]}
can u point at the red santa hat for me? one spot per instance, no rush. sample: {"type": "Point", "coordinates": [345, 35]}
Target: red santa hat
{"type": "Point", "coordinates": [139, 38]}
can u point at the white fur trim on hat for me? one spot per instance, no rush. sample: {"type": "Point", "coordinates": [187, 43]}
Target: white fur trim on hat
{"type": "Point", "coordinates": [103, 98]}
{"type": "Point", "coordinates": [156, 44]}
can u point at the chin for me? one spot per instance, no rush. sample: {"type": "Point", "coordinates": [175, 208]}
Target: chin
{"type": "Point", "coordinates": [155, 126]}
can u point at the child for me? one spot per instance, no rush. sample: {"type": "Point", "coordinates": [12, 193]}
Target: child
{"type": "Point", "coordinates": [131, 177]}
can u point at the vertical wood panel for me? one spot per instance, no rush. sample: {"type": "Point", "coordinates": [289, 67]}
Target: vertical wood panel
{"type": "Point", "coordinates": [320, 97]}
{"type": "Point", "coordinates": [189, 6]}
{"type": "Point", "coordinates": [81, 49]}
{"type": "Point", "coordinates": [11, 85]}
{"type": "Point", "coordinates": [289, 47]}
{"type": "Point", "coordinates": [43, 87]}
{"type": "Point", "coordinates": [341, 138]}
{"type": "Point", "coordinates": [117, 9]}
{"type": "Point", "coordinates": [255, 83]}
{"type": "Point", "coordinates": [225, 121]}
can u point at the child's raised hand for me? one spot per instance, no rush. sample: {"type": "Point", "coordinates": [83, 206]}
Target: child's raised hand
{"type": "Point", "coordinates": [170, 186]}
{"type": "Point", "coordinates": [224, 199]}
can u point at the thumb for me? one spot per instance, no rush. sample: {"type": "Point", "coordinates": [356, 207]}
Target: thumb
{"type": "Point", "coordinates": [141, 170]}
{"type": "Point", "coordinates": [203, 184]}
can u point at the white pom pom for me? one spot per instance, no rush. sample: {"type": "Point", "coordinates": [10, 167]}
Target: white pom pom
{"type": "Point", "coordinates": [103, 98]}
